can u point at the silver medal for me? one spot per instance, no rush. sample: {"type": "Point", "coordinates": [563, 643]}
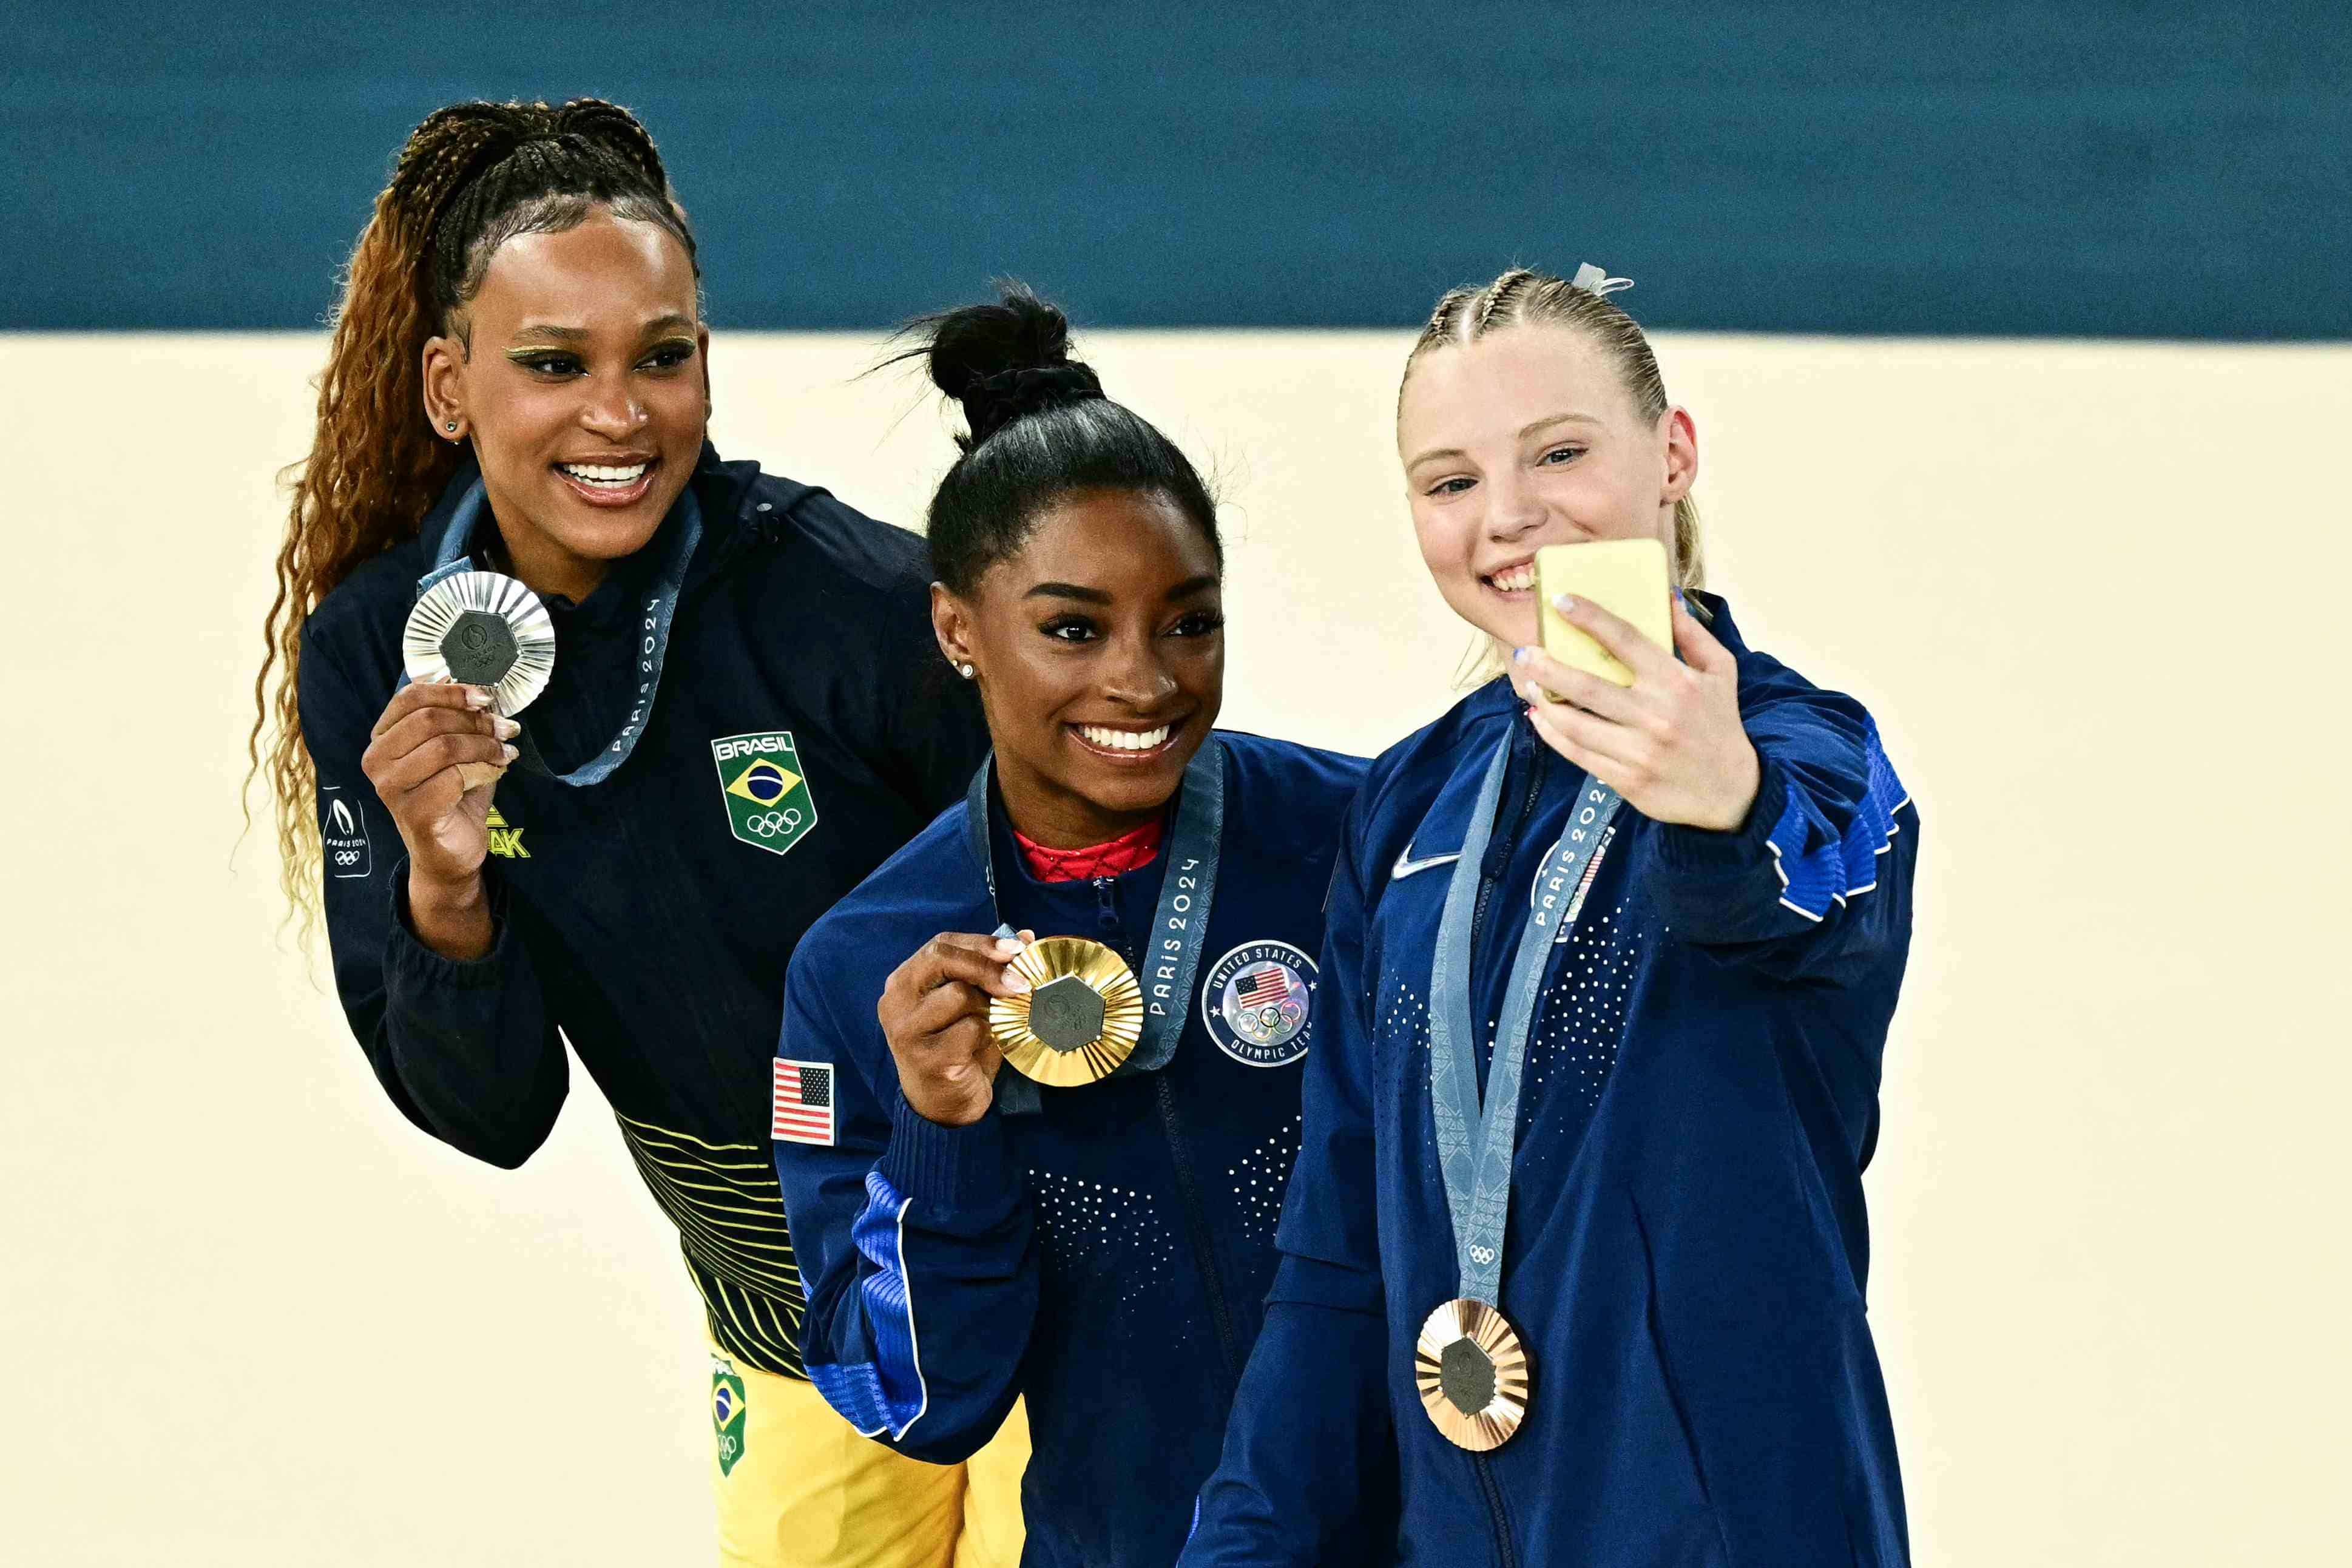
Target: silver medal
{"type": "Point", "coordinates": [482, 629]}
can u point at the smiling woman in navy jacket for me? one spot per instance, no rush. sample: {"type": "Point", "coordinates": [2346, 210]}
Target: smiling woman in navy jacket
{"type": "Point", "coordinates": [1577, 1228]}
{"type": "Point", "coordinates": [1103, 1248]}
{"type": "Point", "coordinates": [744, 718]}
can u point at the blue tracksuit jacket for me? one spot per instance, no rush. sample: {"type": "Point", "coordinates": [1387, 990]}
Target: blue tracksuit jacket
{"type": "Point", "coordinates": [1108, 1255]}
{"type": "Point", "coordinates": [1687, 1248]}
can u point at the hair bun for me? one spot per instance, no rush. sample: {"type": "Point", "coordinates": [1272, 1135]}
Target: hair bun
{"type": "Point", "coordinates": [995, 401]}
{"type": "Point", "coordinates": [1004, 361]}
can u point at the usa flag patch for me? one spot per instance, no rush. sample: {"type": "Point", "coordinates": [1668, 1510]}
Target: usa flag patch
{"type": "Point", "coordinates": [802, 1106]}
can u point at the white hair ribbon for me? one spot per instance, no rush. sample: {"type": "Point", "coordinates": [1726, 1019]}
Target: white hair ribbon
{"type": "Point", "coordinates": [1593, 281]}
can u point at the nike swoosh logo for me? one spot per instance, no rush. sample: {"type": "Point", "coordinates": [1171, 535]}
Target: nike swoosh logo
{"type": "Point", "coordinates": [1406, 866]}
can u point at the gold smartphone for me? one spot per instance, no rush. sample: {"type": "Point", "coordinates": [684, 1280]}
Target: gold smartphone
{"type": "Point", "coordinates": [1627, 577]}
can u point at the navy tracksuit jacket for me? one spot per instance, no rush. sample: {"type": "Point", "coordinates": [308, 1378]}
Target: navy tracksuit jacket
{"type": "Point", "coordinates": [650, 917]}
{"type": "Point", "coordinates": [1106, 1256]}
{"type": "Point", "coordinates": [1687, 1248]}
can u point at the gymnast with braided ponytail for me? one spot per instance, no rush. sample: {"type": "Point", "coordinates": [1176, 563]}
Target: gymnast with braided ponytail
{"type": "Point", "coordinates": [1576, 1245]}
{"type": "Point", "coordinates": [746, 715]}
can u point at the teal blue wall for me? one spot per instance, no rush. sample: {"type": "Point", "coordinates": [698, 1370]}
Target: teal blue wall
{"type": "Point", "coordinates": [2104, 167]}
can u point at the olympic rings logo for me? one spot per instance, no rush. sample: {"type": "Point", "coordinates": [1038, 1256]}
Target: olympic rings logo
{"type": "Point", "coordinates": [1482, 1255]}
{"type": "Point", "coordinates": [346, 857]}
{"type": "Point", "coordinates": [769, 824]}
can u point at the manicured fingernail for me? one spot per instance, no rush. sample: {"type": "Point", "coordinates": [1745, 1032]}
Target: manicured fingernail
{"type": "Point", "coordinates": [1014, 980]}
{"type": "Point", "coordinates": [505, 729]}
{"type": "Point", "coordinates": [1010, 946]}
{"type": "Point", "coordinates": [1519, 656]}
{"type": "Point", "coordinates": [510, 753]}
{"type": "Point", "coordinates": [476, 698]}
{"type": "Point", "coordinates": [1565, 604]}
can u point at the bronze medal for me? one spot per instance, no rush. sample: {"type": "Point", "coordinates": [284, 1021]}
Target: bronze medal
{"type": "Point", "coordinates": [1472, 1373]}
{"type": "Point", "coordinates": [1080, 1018]}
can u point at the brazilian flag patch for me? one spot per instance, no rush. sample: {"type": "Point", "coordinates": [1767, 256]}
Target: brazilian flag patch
{"type": "Point", "coordinates": [727, 1409]}
{"type": "Point", "coordinates": [765, 789]}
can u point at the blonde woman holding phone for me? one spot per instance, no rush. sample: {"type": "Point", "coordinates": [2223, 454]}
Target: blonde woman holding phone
{"type": "Point", "coordinates": [1576, 1232]}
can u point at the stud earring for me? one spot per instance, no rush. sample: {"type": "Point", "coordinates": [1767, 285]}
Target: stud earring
{"type": "Point", "coordinates": [964, 670]}
{"type": "Point", "coordinates": [451, 427]}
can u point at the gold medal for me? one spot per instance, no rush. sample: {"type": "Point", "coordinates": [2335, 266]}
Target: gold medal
{"type": "Point", "coordinates": [1472, 1373]}
{"type": "Point", "coordinates": [1080, 1017]}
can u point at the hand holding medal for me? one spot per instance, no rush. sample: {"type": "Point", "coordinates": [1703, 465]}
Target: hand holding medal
{"type": "Point", "coordinates": [476, 648]}
{"type": "Point", "coordinates": [481, 630]}
{"type": "Point", "coordinates": [1077, 1019]}
{"type": "Point", "coordinates": [934, 1013]}
{"type": "Point", "coordinates": [1078, 1013]}
{"type": "Point", "coordinates": [418, 756]}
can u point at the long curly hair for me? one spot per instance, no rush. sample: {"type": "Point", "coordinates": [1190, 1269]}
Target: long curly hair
{"type": "Point", "coordinates": [471, 177]}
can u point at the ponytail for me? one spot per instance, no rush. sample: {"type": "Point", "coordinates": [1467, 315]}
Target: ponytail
{"type": "Point", "coordinates": [471, 177]}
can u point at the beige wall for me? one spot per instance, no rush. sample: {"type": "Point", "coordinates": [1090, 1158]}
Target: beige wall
{"type": "Point", "coordinates": [247, 1316]}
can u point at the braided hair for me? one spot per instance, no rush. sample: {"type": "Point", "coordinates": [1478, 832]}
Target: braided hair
{"type": "Point", "coordinates": [1040, 429]}
{"type": "Point", "coordinates": [1525, 297]}
{"type": "Point", "coordinates": [471, 177]}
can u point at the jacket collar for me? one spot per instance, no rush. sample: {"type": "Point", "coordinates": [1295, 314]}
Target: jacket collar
{"type": "Point", "coordinates": [1718, 619]}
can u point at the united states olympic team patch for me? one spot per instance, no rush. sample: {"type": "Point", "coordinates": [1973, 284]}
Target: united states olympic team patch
{"type": "Point", "coordinates": [1257, 1003]}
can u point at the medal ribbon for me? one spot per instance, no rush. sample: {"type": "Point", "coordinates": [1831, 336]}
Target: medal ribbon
{"type": "Point", "coordinates": [1173, 956]}
{"type": "Point", "coordinates": [1474, 1145]}
{"type": "Point", "coordinates": [653, 630]}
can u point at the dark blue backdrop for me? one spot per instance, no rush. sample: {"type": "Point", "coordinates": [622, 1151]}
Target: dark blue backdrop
{"type": "Point", "coordinates": [2099, 167]}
